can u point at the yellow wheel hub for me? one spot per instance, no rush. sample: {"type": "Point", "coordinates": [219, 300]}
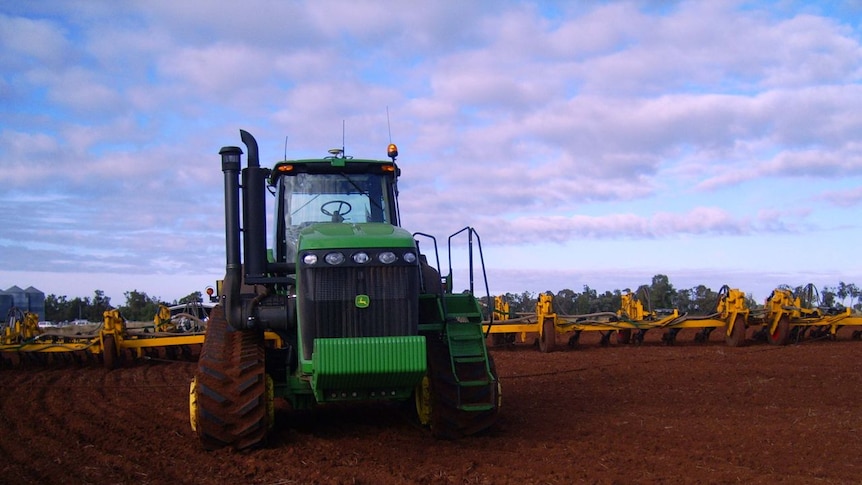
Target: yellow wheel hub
{"type": "Point", "coordinates": [270, 402]}
{"type": "Point", "coordinates": [423, 401]}
{"type": "Point", "coordinates": [193, 405]}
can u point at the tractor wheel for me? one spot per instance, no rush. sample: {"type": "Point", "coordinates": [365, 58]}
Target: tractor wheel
{"type": "Point", "coordinates": [781, 332]}
{"type": "Point", "coordinates": [229, 405]}
{"type": "Point", "coordinates": [737, 333]}
{"type": "Point", "coordinates": [446, 420]}
{"type": "Point", "coordinates": [548, 339]}
{"type": "Point", "coordinates": [109, 352]}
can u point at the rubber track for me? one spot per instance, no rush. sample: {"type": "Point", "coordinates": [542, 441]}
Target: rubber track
{"type": "Point", "coordinates": [231, 387]}
{"type": "Point", "coordinates": [447, 421]}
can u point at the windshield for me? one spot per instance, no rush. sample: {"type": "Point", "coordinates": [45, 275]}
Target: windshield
{"type": "Point", "coordinates": [335, 198]}
{"type": "Point", "coordinates": [350, 198]}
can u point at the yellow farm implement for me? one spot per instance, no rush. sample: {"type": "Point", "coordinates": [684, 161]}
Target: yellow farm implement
{"type": "Point", "coordinates": [783, 318]}
{"type": "Point", "coordinates": [171, 337]}
{"type": "Point", "coordinates": [24, 340]}
{"type": "Point", "coordinates": [786, 318]}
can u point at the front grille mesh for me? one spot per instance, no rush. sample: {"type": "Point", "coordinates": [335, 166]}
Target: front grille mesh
{"type": "Point", "coordinates": [328, 302]}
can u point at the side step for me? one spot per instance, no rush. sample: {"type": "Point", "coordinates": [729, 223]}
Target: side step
{"type": "Point", "coordinates": [470, 367]}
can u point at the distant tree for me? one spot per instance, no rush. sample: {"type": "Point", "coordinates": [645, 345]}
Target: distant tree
{"type": "Point", "coordinates": [139, 306]}
{"type": "Point", "coordinates": [683, 300]}
{"type": "Point", "coordinates": [586, 302]}
{"type": "Point", "coordinates": [828, 296]}
{"type": "Point", "coordinates": [609, 301]}
{"type": "Point", "coordinates": [855, 294]}
{"type": "Point", "coordinates": [78, 309]}
{"type": "Point", "coordinates": [100, 303]}
{"type": "Point", "coordinates": [522, 303]}
{"type": "Point", "coordinates": [195, 297]}
{"type": "Point", "coordinates": [56, 308]}
{"type": "Point", "coordinates": [846, 290]}
{"type": "Point", "coordinates": [662, 292]}
{"type": "Point", "coordinates": [564, 302]}
{"type": "Point", "coordinates": [702, 300]}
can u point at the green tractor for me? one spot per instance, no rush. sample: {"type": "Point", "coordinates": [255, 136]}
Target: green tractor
{"type": "Point", "coordinates": [343, 307]}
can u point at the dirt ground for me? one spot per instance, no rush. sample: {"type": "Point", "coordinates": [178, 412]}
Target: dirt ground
{"type": "Point", "coordinates": [689, 413]}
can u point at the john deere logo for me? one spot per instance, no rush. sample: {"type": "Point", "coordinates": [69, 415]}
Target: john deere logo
{"type": "Point", "coordinates": [362, 301]}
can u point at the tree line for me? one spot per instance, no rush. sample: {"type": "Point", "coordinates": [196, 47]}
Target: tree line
{"type": "Point", "coordinates": [661, 294]}
{"type": "Point", "coordinates": [139, 306]}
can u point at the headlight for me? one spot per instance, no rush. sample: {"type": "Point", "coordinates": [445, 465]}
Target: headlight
{"type": "Point", "coordinates": [310, 259]}
{"type": "Point", "coordinates": [361, 258]}
{"type": "Point", "coordinates": [409, 257]}
{"type": "Point", "coordinates": [334, 258]}
{"type": "Point", "coordinates": [387, 257]}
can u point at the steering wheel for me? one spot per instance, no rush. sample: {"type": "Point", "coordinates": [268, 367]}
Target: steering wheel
{"type": "Point", "coordinates": [337, 214]}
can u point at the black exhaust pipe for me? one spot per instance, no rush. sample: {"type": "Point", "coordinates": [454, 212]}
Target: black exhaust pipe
{"type": "Point", "coordinates": [254, 213]}
{"type": "Point", "coordinates": [250, 266]}
{"type": "Point", "coordinates": [230, 166]}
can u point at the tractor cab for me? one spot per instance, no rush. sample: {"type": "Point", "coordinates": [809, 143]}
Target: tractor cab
{"type": "Point", "coordinates": [335, 189]}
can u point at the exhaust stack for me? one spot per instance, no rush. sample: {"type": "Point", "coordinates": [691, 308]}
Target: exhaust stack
{"type": "Point", "coordinates": [254, 213]}
{"type": "Point", "coordinates": [248, 268]}
{"type": "Point", "coordinates": [230, 166]}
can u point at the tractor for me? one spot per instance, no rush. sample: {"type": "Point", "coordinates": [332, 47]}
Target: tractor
{"type": "Point", "coordinates": [343, 307]}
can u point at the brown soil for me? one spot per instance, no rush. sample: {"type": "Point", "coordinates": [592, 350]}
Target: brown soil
{"type": "Point", "coordinates": [689, 413]}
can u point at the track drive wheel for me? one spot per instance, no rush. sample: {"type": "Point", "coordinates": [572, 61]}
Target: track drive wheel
{"type": "Point", "coordinates": [109, 352]}
{"type": "Point", "coordinates": [228, 405]}
{"type": "Point", "coordinates": [781, 333]}
{"type": "Point", "coordinates": [446, 420]}
{"type": "Point", "coordinates": [737, 333]}
{"type": "Point", "coordinates": [548, 339]}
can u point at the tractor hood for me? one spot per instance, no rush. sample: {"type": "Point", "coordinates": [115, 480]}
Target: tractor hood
{"type": "Point", "coordinates": [328, 235]}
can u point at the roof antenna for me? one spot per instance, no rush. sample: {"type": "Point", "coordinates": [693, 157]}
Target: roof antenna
{"type": "Point", "coordinates": [388, 124]}
{"type": "Point", "coordinates": [343, 147]}
{"type": "Point", "coordinates": [285, 147]}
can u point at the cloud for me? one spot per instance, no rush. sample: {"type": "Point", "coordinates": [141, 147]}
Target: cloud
{"type": "Point", "coordinates": [27, 43]}
{"type": "Point", "coordinates": [844, 161]}
{"type": "Point", "coordinates": [540, 122]}
{"type": "Point", "coordinates": [843, 198]}
{"type": "Point", "coordinates": [699, 221]}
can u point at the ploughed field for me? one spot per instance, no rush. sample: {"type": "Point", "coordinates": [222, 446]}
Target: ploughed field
{"type": "Point", "coordinates": [688, 413]}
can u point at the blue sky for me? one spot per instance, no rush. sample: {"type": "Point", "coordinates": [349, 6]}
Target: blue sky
{"type": "Point", "coordinates": [589, 143]}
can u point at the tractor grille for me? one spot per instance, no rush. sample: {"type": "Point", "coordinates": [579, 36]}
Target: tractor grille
{"type": "Point", "coordinates": [328, 302]}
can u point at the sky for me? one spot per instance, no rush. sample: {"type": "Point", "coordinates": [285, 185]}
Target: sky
{"type": "Point", "coordinates": [587, 143]}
